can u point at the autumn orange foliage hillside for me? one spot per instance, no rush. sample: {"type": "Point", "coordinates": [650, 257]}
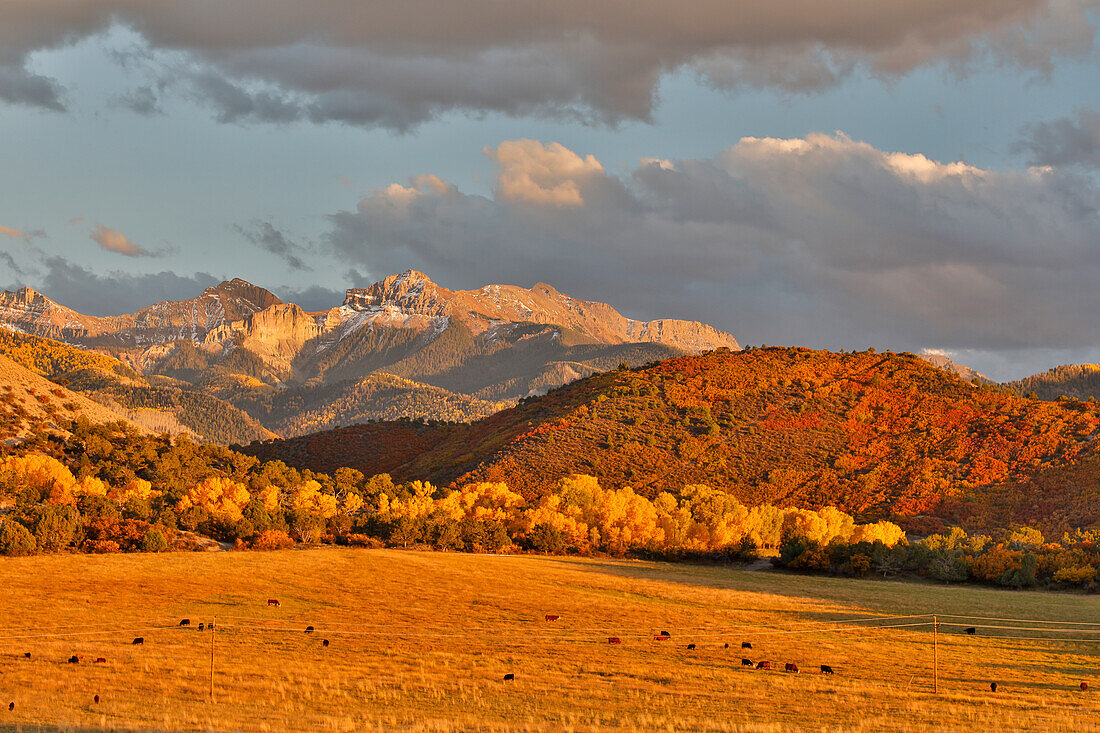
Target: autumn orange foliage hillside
{"type": "Point", "coordinates": [877, 435]}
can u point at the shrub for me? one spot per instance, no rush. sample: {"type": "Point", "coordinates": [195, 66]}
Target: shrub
{"type": "Point", "coordinates": [101, 547]}
{"type": "Point", "coordinates": [15, 539]}
{"type": "Point", "coordinates": [55, 527]}
{"type": "Point", "coordinates": [272, 539]}
{"type": "Point", "coordinates": [154, 541]}
{"type": "Point", "coordinates": [545, 538]}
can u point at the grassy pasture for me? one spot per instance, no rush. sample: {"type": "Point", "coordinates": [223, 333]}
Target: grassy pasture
{"type": "Point", "coordinates": [421, 641]}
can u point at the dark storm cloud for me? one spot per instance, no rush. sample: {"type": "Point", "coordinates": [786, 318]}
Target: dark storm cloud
{"type": "Point", "coordinates": [314, 298]}
{"type": "Point", "coordinates": [1064, 142]}
{"type": "Point", "coordinates": [268, 238]}
{"type": "Point", "coordinates": [399, 62]}
{"type": "Point", "coordinates": [821, 241]}
{"type": "Point", "coordinates": [115, 292]}
{"type": "Point", "coordinates": [18, 86]}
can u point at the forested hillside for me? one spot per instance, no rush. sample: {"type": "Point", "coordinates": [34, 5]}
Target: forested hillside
{"type": "Point", "coordinates": [161, 404]}
{"type": "Point", "coordinates": [1076, 381]}
{"type": "Point", "coordinates": [877, 435]}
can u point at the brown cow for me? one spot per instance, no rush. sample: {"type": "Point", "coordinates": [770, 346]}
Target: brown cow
{"type": "Point", "coordinates": [763, 665]}
{"type": "Point", "coordinates": [826, 669]}
{"type": "Point", "coordinates": [1084, 687]}
{"type": "Point", "coordinates": [552, 617]}
{"type": "Point", "coordinates": [790, 667]}
{"type": "Point", "coordinates": [746, 662]}
{"type": "Point", "coordinates": [273, 602]}
{"type": "Point", "coordinates": [100, 660]}
{"type": "Point", "coordinates": [661, 638]}
{"type": "Point", "coordinates": [614, 640]}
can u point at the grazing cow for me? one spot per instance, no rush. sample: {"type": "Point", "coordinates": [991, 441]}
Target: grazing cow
{"type": "Point", "coordinates": [11, 706]}
{"type": "Point", "coordinates": [614, 640]}
{"type": "Point", "coordinates": [509, 677]}
{"type": "Point", "coordinates": [273, 602]}
{"type": "Point", "coordinates": [1084, 687]}
{"type": "Point", "coordinates": [185, 622]}
{"type": "Point", "coordinates": [661, 638]}
{"type": "Point", "coordinates": [74, 659]}
{"type": "Point", "coordinates": [202, 627]}
{"type": "Point", "coordinates": [210, 626]}
{"type": "Point", "coordinates": [826, 669]}
{"type": "Point", "coordinates": [746, 662]}
{"type": "Point", "coordinates": [552, 617]}
{"type": "Point", "coordinates": [100, 660]}
{"type": "Point", "coordinates": [26, 655]}
{"type": "Point", "coordinates": [691, 646]}
{"type": "Point", "coordinates": [763, 665]}
{"type": "Point", "coordinates": [96, 698]}
{"type": "Point", "coordinates": [139, 640]}
{"type": "Point", "coordinates": [746, 645]}
{"type": "Point", "coordinates": [666, 634]}
{"type": "Point", "coordinates": [970, 630]}
{"type": "Point", "coordinates": [992, 686]}
{"type": "Point", "coordinates": [790, 667]}
{"type": "Point", "coordinates": [309, 629]}
{"type": "Point", "coordinates": [324, 643]}
{"type": "Point", "coordinates": [726, 645]}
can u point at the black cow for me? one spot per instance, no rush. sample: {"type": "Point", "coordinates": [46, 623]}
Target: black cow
{"type": "Point", "coordinates": [727, 646]}
{"type": "Point", "coordinates": [185, 622]}
{"type": "Point", "coordinates": [74, 659]}
{"type": "Point", "coordinates": [666, 634]}
{"type": "Point", "coordinates": [691, 646]}
{"type": "Point", "coordinates": [210, 626]}
{"type": "Point", "coordinates": [139, 640]}
{"type": "Point", "coordinates": [992, 686]}
{"type": "Point", "coordinates": [324, 643]}
{"type": "Point", "coordinates": [11, 706]}
{"type": "Point", "coordinates": [970, 630]}
{"type": "Point", "coordinates": [509, 677]}
{"type": "Point", "coordinates": [746, 662]}
{"type": "Point", "coordinates": [309, 629]}
{"type": "Point", "coordinates": [202, 627]}
{"type": "Point", "coordinates": [826, 669]}
{"type": "Point", "coordinates": [746, 645]}
{"type": "Point", "coordinates": [26, 655]}
{"type": "Point", "coordinates": [96, 698]}
{"type": "Point", "coordinates": [1084, 687]}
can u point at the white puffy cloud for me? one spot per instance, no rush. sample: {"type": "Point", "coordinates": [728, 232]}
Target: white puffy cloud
{"type": "Point", "coordinates": [399, 62]}
{"type": "Point", "coordinates": [821, 240]}
{"type": "Point", "coordinates": [551, 175]}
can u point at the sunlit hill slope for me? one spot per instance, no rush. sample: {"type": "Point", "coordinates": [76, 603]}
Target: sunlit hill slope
{"type": "Point", "coordinates": [878, 435]}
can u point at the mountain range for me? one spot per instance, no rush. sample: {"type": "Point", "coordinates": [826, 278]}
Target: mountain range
{"type": "Point", "coordinates": [404, 347]}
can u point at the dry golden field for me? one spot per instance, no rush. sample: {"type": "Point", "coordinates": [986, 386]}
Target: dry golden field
{"type": "Point", "coordinates": [421, 641]}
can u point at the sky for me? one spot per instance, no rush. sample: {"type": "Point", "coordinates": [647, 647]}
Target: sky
{"type": "Point", "coordinates": [904, 174]}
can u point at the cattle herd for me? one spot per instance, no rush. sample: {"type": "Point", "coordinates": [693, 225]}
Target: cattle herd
{"type": "Point", "coordinates": [510, 677]}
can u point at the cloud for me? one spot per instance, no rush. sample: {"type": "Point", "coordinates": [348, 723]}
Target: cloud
{"type": "Point", "coordinates": [552, 174]}
{"type": "Point", "coordinates": [313, 298]}
{"type": "Point", "coordinates": [113, 240]}
{"type": "Point", "coordinates": [26, 236]}
{"type": "Point", "coordinates": [822, 241]}
{"type": "Point", "coordinates": [268, 238]}
{"type": "Point", "coordinates": [142, 100]}
{"type": "Point", "coordinates": [116, 292]}
{"type": "Point", "coordinates": [397, 64]}
{"type": "Point", "coordinates": [1064, 142]}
